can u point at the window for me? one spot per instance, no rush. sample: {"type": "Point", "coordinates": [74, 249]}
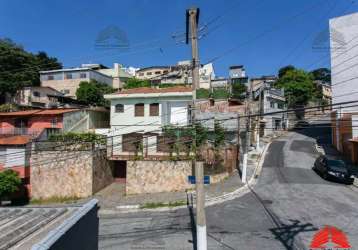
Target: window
{"type": "Point", "coordinates": [165, 71]}
{"type": "Point", "coordinates": [83, 75]}
{"type": "Point", "coordinates": [272, 104]}
{"type": "Point", "coordinates": [36, 94]}
{"type": "Point", "coordinates": [65, 91]}
{"type": "Point", "coordinates": [280, 105]}
{"type": "Point", "coordinates": [154, 109]}
{"type": "Point", "coordinates": [68, 76]}
{"type": "Point", "coordinates": [50, 77]}
{"type": "Point", "coordinates": [141, 74]}
{"type": "Point", "coordinates": [139, 109]}
{"type": "Point", "coordinates": [157, 72]}
{"type": "Point", "coordinates": [54, 122]}
{"type": "Point", "coordinates": [119, 108]}
{"type": "Point", "coordinates": [149, 73]}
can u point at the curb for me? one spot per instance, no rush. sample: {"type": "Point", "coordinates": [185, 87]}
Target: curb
{"type": "Point", "coordinates": [208, 201]}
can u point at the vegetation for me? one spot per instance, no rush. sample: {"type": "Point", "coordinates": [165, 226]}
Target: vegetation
{"type": "Point", "coordinates": [78, 137]}
{"type": "Point", "coordinates": [132, 83]}
{"type": "Point", "coordinates": [202, 93]}
{"type": "Point", "coordinates": [169, 85]}
{"type": "Point", "coordinates": [181, 138]}
{"type": "Point", "coordinates": [239, 90]}
{"type": "Point", "coordinates": [219, 135]}
{"type": "Point", "coordinates": [298, 86]}
{"type": "Point", "coordinates": [19, 68]}
{"type": "Point", "coordinates": [322, 74]}
{"type": "Point", "coordinates": [54, 200]}
{"type": "Point", "coordinates": [92, 93]}
{"type": "Point", "coordinates": [9, 183]}
{"type": "Point", "coordinates": [284, 70]}
{"type": "Point", "coordinates": [221, 93]}
{"type": "Point", "coordinates": [8, 107]}
{"type": "Point", "coordinates": [152, 205]}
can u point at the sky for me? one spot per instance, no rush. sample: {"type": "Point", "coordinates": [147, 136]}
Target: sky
{"type": "Point", "coordinates": [262, 35]}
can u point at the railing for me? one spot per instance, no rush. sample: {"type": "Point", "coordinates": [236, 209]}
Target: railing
{"type": "Point", "coordinates": [21, 131]}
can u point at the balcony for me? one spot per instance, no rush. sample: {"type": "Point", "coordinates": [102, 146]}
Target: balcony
{"type": "Point", "coordinates": [21, 131]}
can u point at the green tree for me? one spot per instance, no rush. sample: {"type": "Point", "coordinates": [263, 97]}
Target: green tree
{"type": "Point", "coordinates": [282, 71]}
{"type": "Point", "coordinates": [219, 135]}
{"type": "Point", "coordinates": [136, 83]}
{"type": "Point", "coordinates": [92, 92]}
{"type": "Point", "coordinates": [322, 74]}
{"type": "Point", "coordinates": [9, 183]}
{"type": "Point", "coordinates": [19, 68]}
{"type": "Point", "coordinates": [238, 90]}
{"type": "Point", "coordinates": [298, 86]}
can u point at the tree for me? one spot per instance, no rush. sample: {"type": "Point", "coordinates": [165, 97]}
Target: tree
{"type": "Point", "coordinates": [19, 68]}
{"type": "Point", "coordinates": [219, 135]}
{"type": "Point", "coordinates": [282, 71]}
{"type": "Point", "coordinates": [9, 183]}
{"type": "Point", "coordinates": [92, 92]}
{"type": "Point", "coordinates": [298, 86]}
{"type": "Point", "coordinates": [238, 90]}
{"type": "Point", "coordinates": [322, 74]}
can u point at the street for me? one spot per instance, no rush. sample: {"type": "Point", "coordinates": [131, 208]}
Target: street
{"type": "Point", "coordinates": [286, 207]}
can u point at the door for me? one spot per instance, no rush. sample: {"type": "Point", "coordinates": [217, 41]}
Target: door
{"type": "Point", "coordinates": [120, 170]}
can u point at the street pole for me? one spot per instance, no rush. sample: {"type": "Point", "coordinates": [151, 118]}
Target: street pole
{"type": "Point", "coordinates": [258, 123]}
{"type": "Point", "coordinates": [247, 134]}
{"type": "Point", "coordinates": [201, 237]}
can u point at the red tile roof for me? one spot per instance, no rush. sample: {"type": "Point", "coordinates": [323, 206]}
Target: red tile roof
{"type": "Point", "coordinates": [55, 111]}
{"type": "Point", "coordinates": [145, 90]}
{"type": "Point", "coordinates": [38, 112]}
{"type": "Point", "coordinates": [15, 140]}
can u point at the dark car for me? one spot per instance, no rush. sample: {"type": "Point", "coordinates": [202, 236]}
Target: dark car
{"type": "Point", "coordinates": [332, 169]}
{"type": "Point", "coordinates": [301, 125]}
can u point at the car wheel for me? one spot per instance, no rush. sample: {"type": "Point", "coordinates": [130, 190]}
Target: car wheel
{"type": "Point", "coordinates": [325, 175]}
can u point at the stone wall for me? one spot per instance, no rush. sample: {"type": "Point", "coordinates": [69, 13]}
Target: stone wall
{"type": "Point", "coordinates": [68, 173]}
{"type": "Point", "coordinates": [157, 176]}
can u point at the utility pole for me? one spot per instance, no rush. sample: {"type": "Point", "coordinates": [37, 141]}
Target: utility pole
{"type": "Point", "coordinates": [258, 129]}
{"type": "Point", "coordinates": [247, 134]}
{"type": "Point", "coordinates": [192, 18]}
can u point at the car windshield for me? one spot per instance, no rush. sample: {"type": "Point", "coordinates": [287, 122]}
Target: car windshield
{"type": "Point", "coordinates": [336, 163]}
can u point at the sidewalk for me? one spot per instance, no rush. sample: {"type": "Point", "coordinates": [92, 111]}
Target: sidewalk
{"type": "Point", "coordinates": [113, 199]}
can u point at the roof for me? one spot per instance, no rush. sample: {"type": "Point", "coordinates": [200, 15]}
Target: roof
{"type": "Point", "coordinates": [146, 90]}
{"type": "Point", "coordinates": [152, 92]}
{"type": "Point", "coordinates": [38, 112]}
{"type": "Point", "coordinates": [39, 227]}
{"type": "Point", "coordinates": [236, 67]}
{"type": "Point", "coordinates": [15, 140]}
{"type": "Point", "coordinates": [153, 67]}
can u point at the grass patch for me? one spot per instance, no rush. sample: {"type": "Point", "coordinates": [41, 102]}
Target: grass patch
{"type": "Point", "coordinates": [162, 204]}
{"type": "Point", "coordinates": [53, 200]}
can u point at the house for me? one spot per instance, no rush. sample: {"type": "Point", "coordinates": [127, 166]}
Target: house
{"type": "Point", "coordinates": [43, 97]}
{"type": "Point", "coordinates": [19, 129]}
{"type": "Point", "coordinates": [344, 83]}
{"type": "Point", "coordinates": [177, 74]}
{"type": "Point", "coordinates": [237, 74]}
{"type": "Point", "coordinates": [268, 100]}
{"type": "Point", "coordinates": [141, 111]}
{"type": "Point", "coordinates": [67, 81]}
{"type": "Point", "coordinates": [325, 89]}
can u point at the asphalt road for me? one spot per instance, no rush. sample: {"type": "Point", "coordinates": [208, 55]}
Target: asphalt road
{"type": "Point", "coordinates": [286, 207]}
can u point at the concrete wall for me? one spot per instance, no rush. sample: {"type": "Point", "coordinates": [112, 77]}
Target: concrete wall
{"type": "Point", "coordinates": [343, 31]}
{"type": "Point", "coordinates": [157, 176]}
{"type": "Point", "coordinates": [69, 173]}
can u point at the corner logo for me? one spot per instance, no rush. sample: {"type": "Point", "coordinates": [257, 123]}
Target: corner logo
{"type": "Point", "coordinates": [330, 238]}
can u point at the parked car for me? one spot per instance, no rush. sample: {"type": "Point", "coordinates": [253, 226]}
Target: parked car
{"type": "Point", "coordinates": [301, 125]}
{"type": "Point", "coordinates": [332, 169]}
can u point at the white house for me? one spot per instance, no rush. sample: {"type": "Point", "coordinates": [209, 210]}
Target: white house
{"type": "Point", "coordinates": [143, 112]}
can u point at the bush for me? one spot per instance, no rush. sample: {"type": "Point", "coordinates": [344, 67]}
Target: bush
{"type": "Point", "coordinates": [132, 83]}
{"type": "Point", "coordinates": [221, 93]}
{"type": "Point", "coordinates": [78, 137]}
{"type": "Point", "coordinates": [202, 93]}
{"type": "Point", "coordinates": [168, 85]}
{"type": "Point", "coordinates": [9, 183]}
